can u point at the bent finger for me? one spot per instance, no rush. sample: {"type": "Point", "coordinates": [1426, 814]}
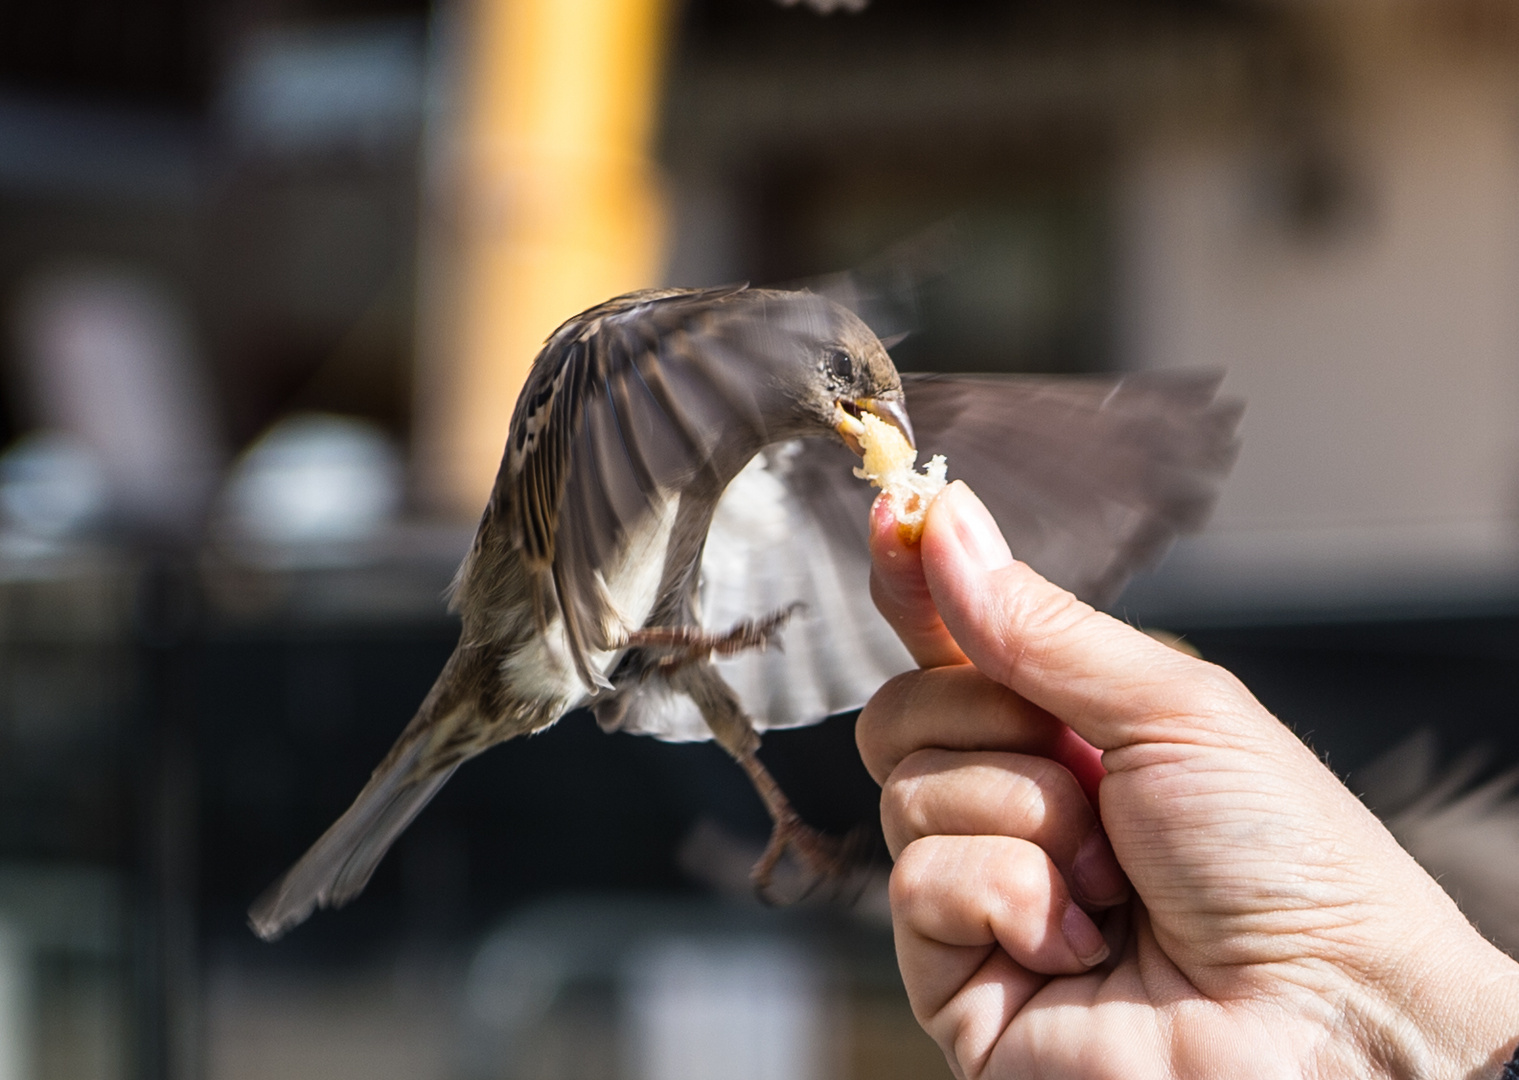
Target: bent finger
{"type": "Point", "coordinates": [940, 792]}
{"type": "Point", "coordinates": [959, 708]}
{"type": "Point", "coordinates": [974, 891]}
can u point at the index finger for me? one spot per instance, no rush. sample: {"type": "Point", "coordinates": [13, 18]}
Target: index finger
{"type": "Point", "coordinates": [901, 594]}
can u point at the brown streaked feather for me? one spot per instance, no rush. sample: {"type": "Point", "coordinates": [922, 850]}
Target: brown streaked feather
{"type": "Point", "coordinates": [625, 405]}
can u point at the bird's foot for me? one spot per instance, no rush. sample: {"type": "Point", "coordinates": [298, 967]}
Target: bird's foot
{"type": "Point", "coordinates": [689, 644]}
{"type": "Point", "coordinates": [829, 861]}
{"type": "Point", "coordinates": [756, 633]}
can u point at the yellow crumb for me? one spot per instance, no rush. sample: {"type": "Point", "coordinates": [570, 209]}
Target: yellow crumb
{"type": "Point", "coordinates": [888, 463]}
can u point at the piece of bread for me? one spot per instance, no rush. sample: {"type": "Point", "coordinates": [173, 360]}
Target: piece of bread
{"type": "Point", "coordinates": [889, 464]}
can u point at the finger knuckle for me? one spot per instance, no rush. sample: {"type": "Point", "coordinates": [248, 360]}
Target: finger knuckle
{"type": "Point", "coordinates": [879, 721]}
{"type": "Point", "coordinates": [912, 879]}
{"type": "Point", "coordinates": [900, 803]}
{"type": "Point", "coordinates": [1032, 789]}
{"type": "Point", "coordinates": [1035, 619]}
{"type": "Point", "coordinates": [1215, 681]}
{"type": "Point", "coordinates": [1214, 691]}
{"type": "Point", "coordinates": [1052, 611]}
{"type": "Point", "coordinates": [1011, 874]}
{"type": "Point", "coordinates": [1023, 875]}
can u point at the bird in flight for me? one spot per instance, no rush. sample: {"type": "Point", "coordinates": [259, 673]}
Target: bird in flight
{"type": "Point", "coordinates": [676, 492]}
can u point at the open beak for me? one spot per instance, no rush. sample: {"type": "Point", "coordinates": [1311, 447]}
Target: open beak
{"type": "Point", "coordinates": [889, 407]}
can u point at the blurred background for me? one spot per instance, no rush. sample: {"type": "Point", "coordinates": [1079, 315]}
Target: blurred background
{"type": "Point", "coordinates": [271, 272]}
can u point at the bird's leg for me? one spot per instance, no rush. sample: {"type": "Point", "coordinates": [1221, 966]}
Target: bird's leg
{"type": "Point", "coordinates": [687, 644]}
{"type": "Point", "coordinates": [825, 857]}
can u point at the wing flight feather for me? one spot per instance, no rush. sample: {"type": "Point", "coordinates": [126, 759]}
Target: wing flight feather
{"type": "Point", "coordinates": [624, 406]}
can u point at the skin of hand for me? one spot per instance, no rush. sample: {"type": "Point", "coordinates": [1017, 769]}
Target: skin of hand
{"type": "Point", "coordinates": [1233, 911]}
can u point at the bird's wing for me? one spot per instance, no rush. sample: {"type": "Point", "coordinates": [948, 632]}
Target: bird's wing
{"type": "Point", "coordinates": [1464, 830]}
{"type": "Point", "coordinates": [623, 410]}
{"type": "Point", "coordinates": [1089, 478]}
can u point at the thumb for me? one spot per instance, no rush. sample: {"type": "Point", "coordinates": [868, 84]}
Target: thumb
{"type": "Point", "coordinates": [1112, 684]}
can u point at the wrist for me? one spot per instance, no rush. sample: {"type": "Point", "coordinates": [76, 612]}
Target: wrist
{"type": "Point", "coordinates": [1453, 1015]}
{"type": "Point", "coordinates": [1475, 1042]}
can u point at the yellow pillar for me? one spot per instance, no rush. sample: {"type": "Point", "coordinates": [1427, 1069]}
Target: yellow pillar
{"type": "Point", "coordinates": [554, 209]}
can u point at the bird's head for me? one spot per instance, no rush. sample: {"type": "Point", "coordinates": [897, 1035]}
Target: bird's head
{"type": "Point", "coordinates": [838, 369]}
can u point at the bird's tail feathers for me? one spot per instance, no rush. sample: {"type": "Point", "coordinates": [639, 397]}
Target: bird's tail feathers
{"type": "Point", "coordinates": [339, 865]}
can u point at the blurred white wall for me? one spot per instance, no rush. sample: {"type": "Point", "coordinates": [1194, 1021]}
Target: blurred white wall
{"type": "Point", "coordinates": [1378, 349]}
{"type": "Point", "coordinates": [739, 1010]}
{"type": "Point", "coordinates": [15, 1005]}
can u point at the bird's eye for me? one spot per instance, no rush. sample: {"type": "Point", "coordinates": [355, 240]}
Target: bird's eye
{"type": "Point", "coordinates": [840, 366]}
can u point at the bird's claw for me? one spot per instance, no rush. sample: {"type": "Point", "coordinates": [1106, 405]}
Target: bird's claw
{"type": "Point", "coordinates": [756, 634]}
{"type": "Point", "coordinates": [688, 644]}
{"type": "Point", "coordinates": [825, 860]}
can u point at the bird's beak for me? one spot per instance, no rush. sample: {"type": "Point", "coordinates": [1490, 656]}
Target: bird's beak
{"type": "Point", "coordinates": [889, 407]}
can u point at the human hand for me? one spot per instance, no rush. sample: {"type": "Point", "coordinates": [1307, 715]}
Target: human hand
{"type": "Point", "coordinates": [1255, 918]}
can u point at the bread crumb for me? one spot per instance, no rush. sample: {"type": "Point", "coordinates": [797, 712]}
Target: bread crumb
{"type": "Point", "coordinates": [889, 465]}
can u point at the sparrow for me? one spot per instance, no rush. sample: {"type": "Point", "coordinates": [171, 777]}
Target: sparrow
{"type": "Point", "coordinates": [676, 492]}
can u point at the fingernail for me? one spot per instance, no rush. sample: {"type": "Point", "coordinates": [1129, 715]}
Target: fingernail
{"type": "Point", "coordinates": [1095, 874]}
{"type": "Point", "coordinates": [977, 530]}
{"type": "Point", "coordinates": [1082, 935]}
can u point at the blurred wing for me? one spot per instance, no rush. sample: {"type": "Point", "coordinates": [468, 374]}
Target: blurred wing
{"type": "Point", "coordinates": [1465, 833]}
{"type": "Point", "coordinates": [887, 291]}
{"type": "Point", "coordinates": [1468, 840]}
{"type": "Point", "coordinates": [1090, 479]}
